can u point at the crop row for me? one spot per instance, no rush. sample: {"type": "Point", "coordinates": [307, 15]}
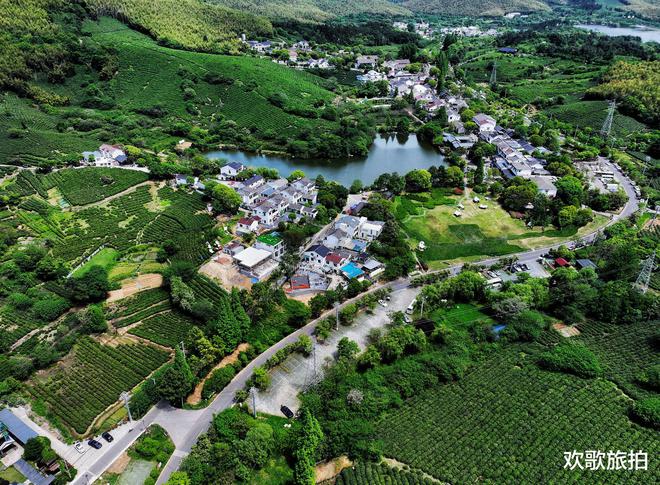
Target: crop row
{"type": "Point", "coordinates": [98, 374]}
{"type": "Point", "coordinates": [372, 474]}
{"type": "Point", "coordinates": [167, 328]}
{"type": "Point", "coordinates": [137, 302]}
{"type": "Point", "coordinates": [204, 288]}
{"type": "Point", "coordinates": [509, 422]}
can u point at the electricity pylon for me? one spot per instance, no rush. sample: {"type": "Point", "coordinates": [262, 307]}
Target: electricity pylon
{"type": "Point", "coordinates": [493, 75]}
{"type": "Point", "coordinates": [644, 277]}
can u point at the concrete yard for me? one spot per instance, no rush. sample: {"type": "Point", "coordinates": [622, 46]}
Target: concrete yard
{"type": "Point", "coordinates": [297, 372]}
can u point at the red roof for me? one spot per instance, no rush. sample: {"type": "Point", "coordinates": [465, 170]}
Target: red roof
{"type": "Point", "coordinates": [248, 220]}
{"type": "Point", "coordinates": [561, 262]}
{"type": "Point", "coordinates": [334, 258]}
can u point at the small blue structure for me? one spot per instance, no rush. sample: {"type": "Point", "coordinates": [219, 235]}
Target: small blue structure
{"type": "Point", "coordinates": [351, 271]}
{"type": "Point", "coordinates": [508, 50]}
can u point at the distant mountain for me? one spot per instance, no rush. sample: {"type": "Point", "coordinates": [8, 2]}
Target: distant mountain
{"type": "Point", "coordinates": [312, 10]}
{"type": "Point", "coordinates": [191, 24]}
{"type": "Point", "coordinates": [473, 7]}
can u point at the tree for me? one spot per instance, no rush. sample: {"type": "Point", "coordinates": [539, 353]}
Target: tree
{"type": "Point", "coordinates": [307, 441]}
{"type": "Point", "coordinates": [182, 295]}
{"type": "Point", "coordinates": [454, 177]}
{"type": "Point", "coordinates": [261, 378]}
{"type": "Point", "coordinates": [92, 319]}
{"type": "Point", "coordinates": [296, 175]}
{"type": "Point", "coordinates": [540, 213]}
{"type": "Point", "coordinates": [255, 449]}
{"type": "Point", "coordinates": [566, 216]}
{"type": "Point", "coordinates": [179, 478]}
{"type": "Point", "coordinates": [176, 382]}
{"type": "Point", "coordinates": [225, 199]}
{"type": "Point", "coordinates": [92, 286]}
{"type": "Point", "coordinates": [356, 186]}
{"type": "Point", "coordinates": [418, 180]}
{"type": "Point", "coordinates": [347, 348]}
{"type": "Point", "coordinates": [34, 447]}
{"type": "Point", "coordinates": [570, 191]}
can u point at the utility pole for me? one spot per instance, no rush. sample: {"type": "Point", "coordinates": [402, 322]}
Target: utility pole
{"type": "Point", "coordinates": [607, 124]}
{"type": "Point", "coordinates": [421, 311]}
{"type": "Point", "coordinates": [254, 401]}
{"type": "Point", "coordinates": [644, 277]}
{"type": "Point", "coordinates": [126, 397]}
{"type": "Point", "coordinates": [336, 315]}
{"type": "Point", "coordinates": [493, 76]}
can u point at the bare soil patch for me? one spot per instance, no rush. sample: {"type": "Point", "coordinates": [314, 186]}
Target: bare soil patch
{"type": "Point", "coordinates": [120, 464]}
{"type": "Point", "coordinates": [565, 330]}
{"type": "Point", "coordinates": [132, 286]}
{"type": "Point", "coordinates": [330, 469]}
{"type": "Point", "coordinates": [222, 269]}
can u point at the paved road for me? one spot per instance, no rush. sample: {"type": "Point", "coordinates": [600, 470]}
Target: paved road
{"type": "Point", "coordinates": [185, 427]}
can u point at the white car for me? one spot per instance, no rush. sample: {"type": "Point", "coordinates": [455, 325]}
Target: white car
{"type": "Point", "coordinates": [382, 303]}
{"type": "Point", "coordinates": [79, 447]}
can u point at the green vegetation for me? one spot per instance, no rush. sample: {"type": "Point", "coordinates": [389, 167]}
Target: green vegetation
{"type": "Point", "coordinates": [365, 472]}
{"type": "Point", "coordinates": [501, 397]}
{"type": "Point", "coordinates": [12, 475]}
{"type": "Point", "coordinates": [97, 375]}
{"type": "Point", "coordinates": [168, 328]}
{"type": "Point", "coordinates": [191, 24]}
{"type": "Point", "coordinates": [105, 258]}
{"type": "Point", "coordinates": [636, 85]}
{"type": "Point", "coordinates": [573, 359]}
{"type": "Point", "coordinates": [477, 8]}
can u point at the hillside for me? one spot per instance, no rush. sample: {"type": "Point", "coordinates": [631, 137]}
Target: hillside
{"type": "Point", "coordinates": [636, 86]}
{"type": "Point", "coordinates": [473, 7]}
{"type": "Point", "coordinates": [312, 10]}
{"type": "Point", "coordinates": [191, 24]}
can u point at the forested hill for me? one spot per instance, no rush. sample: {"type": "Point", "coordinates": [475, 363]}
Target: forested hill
{"type": "Point", "coordinates": [191, 24]}
{"type": "Point", "coordinates": [473, 7]}
{"type": "Point", "coordinates": [313, 11]}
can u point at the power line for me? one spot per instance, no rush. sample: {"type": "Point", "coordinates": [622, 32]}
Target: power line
{"type": "Point", "coordinates": [493, 75]}
{"type": "Point", "coordinates": [607, 124]}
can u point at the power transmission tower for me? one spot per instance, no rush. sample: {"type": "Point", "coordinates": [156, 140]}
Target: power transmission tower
{"type": "Point", "coordinates": [254, 401]}
{"type": "Point", "coordinates": [607, 124]}
{"type": "Point", "coordinates": [493, 75]}
{"type": "Point", "coordinates": [644, 277]}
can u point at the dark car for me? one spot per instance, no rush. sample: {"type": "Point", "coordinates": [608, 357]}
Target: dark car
{"type": "Point", "coordinates": [95, 444]}
{"type": "Point", "coordinates": [286, 411]}
{"type": "Point", "coordinates": [108, 437]}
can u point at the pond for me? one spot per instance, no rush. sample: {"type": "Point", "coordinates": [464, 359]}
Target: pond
{"type": "Point", "coordinates": [389, 153]}
{"type": "Point", "coordinates": [647, 34]}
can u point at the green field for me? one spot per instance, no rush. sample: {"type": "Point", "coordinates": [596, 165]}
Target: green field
{"type": "Point", "coordinates": [478, 232]}
{"type": "Point", "coordinates": [508, 421]}
{"type": "Point", "coordinates": [371, 473]}
{"type": "Point", "coordinates": [143, 217]}
{"type": "Point", "coordinates": [93, 379]}
{"type": "Point", "coordinates": [462, 316]}
{"type": "Point", "coordinates": [105, 258]}
{"type": "Point", "coordinates": [166, 329]}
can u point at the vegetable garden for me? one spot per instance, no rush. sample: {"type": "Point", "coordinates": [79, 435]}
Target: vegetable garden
{"type": "Point", "coordinates": [75, 394]}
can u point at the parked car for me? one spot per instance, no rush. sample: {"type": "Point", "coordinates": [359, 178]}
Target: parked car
{"type": "Point", "coordinates": [388, 298]}
{"type": "Point", "coordinates": [95, 444]}
{"type": "Point", "coordinates": [79, 447]}
{"type": "Point", "coordinates": [382, 303]}
{"type": "Point", "coordinates": [286, 411]}
{"type": "Point", "coordinates": [108, 437]}
{"type": "Point", "coordinates": [406, 319]}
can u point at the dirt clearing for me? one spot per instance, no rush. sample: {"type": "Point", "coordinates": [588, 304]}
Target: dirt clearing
{"type": "Point", "coordinates": [134, 285]}
{"type": "Point", "coordinates": [222, 269]}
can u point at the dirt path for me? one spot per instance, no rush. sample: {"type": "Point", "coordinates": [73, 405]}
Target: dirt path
{"type": "Point", "coordinates": [142, 282]}
{"type": "Point", "coordinates": [196, 396]}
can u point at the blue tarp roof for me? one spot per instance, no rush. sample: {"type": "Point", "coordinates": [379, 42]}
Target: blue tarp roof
{"type": "Point", "coordinates": [16, 427]}
{"type": "Point", "coordinates": [351, 270]}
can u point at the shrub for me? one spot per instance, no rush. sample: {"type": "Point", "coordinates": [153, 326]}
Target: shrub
{"type": "Point", "coordinates": [572, 359]}
{"type": "Point", "coordinates": [217, 381]}
{"type": "Point", "coordinates": [647, 411]}
{"type": "Point", "coordinates": [50, 309]}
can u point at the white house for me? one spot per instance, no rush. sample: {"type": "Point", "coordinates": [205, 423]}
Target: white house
{"type": "Point", "coordinates": [366, 61]}
{"type": "Point", "coordinates": [348, 224]}
{"type": "Point", "coordinates": [334, 261]}
{"type": "Point", "coordinates": [267, 212]}
{"type": "Point", "coordinates": [254, 182]}
{"type": "Point", "coordinates": [272, 243]}
{"type": "Point", "coordinates": [335, 238]}
{"type": "Point", "coordinates": [231, 170]}
{"type": "Point", "coordinates": [316, 254]}
{"type": "Point", "coordinates": [484, 122]}
{"type": "Point", "coordinates": [545, 185]}
{"type": "Point", "coordinates": [370, 230]}
{"type": "Point", "coordinates": [248, 224]}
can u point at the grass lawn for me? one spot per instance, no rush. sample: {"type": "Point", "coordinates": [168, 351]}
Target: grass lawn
{"type": "Point", "coordinates": [276, 472]}
{"type": "Point", "coordinates": [12, 475]}
{"type": "Point", "coordinates": [478, 233]}
{"type": "Point", "coordinates": [462, 316]}
{"type": "Point", "coordinates": [106, 258]}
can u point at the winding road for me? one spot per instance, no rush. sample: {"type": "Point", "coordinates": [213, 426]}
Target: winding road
{"type": "Point", "coordinates": [185, 426]}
